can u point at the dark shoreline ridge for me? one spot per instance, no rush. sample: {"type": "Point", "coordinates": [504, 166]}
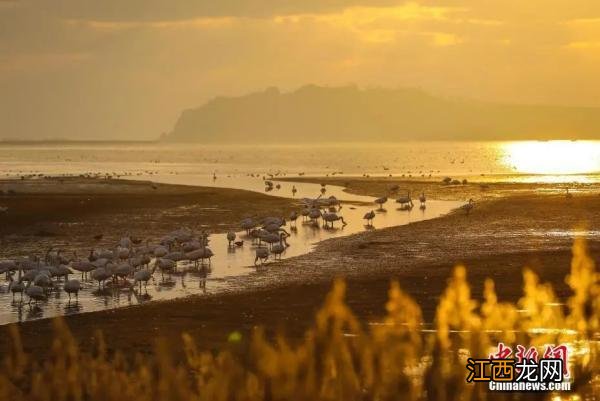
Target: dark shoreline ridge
{"type": "Point", "coordinates": [314, 113]}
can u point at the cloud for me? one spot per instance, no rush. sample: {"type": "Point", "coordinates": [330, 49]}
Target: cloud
{"type": "Point", "coordinates": [161, 10]}
{"type": "Point", "coordinates": [127, 68]}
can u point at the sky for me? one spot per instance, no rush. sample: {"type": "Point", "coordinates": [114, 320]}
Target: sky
{"type": "Point", "coordinates": [125, 69]}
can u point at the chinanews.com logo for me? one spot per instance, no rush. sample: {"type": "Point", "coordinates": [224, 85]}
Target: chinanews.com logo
{"type": "Point", "coordinates": [524, 370]}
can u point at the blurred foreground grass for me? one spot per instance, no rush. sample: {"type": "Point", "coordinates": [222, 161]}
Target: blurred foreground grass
{"type": "Point", "coordinates": [339, 358]}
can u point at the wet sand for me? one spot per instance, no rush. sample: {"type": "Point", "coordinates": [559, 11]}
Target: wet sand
{"type": "Point", "coordinates": [435, 188]}
{"type": "Point", "coordinates": [46, 212]}
{"type": "Point", "coordinates": [525, 225]}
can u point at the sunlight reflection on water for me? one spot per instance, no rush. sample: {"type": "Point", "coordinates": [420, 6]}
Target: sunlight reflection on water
{"type": "Point", "coordinates": [531, 161]}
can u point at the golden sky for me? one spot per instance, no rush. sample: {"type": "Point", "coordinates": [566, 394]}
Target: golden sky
{"type": "Point", "coordinates": [126, 68]}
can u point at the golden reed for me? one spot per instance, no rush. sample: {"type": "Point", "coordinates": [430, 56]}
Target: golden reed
{"type": "Point", "coordinates": [339, 358]}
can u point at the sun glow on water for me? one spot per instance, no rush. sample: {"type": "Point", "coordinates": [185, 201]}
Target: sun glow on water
{"type": "Point", "coordinates": [553, 157]}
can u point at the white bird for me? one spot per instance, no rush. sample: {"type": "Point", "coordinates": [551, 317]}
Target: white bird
{"type": "Point", "coordinates": [123, 271]}
{"type": "Point", "coordinates": [381, 201]}
{"type": "Point", "coordinates": [16, 286]}
{"type": "Point", "coordinates": [137, 261]}
{"type": "Point", "coordinates": [332, 201]}
{"type": "Point", "coordinates": [100, 274]}
{"type": "Point", "coordinates": [314, 215]}
{"type": "Point", "coordinates": [60, 271]}
{"type": "Point", "coordinates": [262, 254]}
{"type": "Point", "coordinates": [277, 250]}
{"type": "Point", "coordinates": [293, 217]}
{"type": "Point", "coordinates": [195, 256]}
{"type": "Point", "coordinates": [207, 254]}
{"type": "Point", "coordinates": [72, 287]}
{"type": "Point", "coordinates": [7, 266]}
{"type": "Point", "coordinates": [248, 224]}
{"type": "Point", "coordinates": [191, 246]}
{"type": "Point", "coordinates": [143, 276]}
{"type": "Point", "coordinates": [273, 221]}
{"type": "Point", "coordinates": [331, 218]}
{"type": "Point", "coordinates": [273, 227]}
{"type": "Point", "coordinates": [29, 276]}
{"type": "Point", "coordinates": [35, 293]}
{"type": "Point", "coordinates": [231, 237]}
{"type": "Point", "coordinates": [42, 279]}
{"type": "Point", "coordinates": [468, 206]}
{"type": "Point", "coordinates": [272, 238]}
{"type": "Point", "coordinates": [160, 251]}
{"type": "Point", "coordinates": [81, 265]}
{"type": "Point", "coordinates": [405, 201]}
{"type": "Point", "coordinates": [369, 216]}
{"type": "Point", "coordinates": [165, 265]}
{"type": "Point", "coordinates": [123, 253]}
{"type": "Point", "coordinates": [54, 258]}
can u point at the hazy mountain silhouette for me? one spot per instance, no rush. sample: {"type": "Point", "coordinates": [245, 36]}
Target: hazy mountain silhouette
{"type": "Point", "coordinates": [325, 114]}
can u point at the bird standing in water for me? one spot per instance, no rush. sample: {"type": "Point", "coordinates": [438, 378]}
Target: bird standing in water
{"type": "Point", "coordinates": [369, 217]}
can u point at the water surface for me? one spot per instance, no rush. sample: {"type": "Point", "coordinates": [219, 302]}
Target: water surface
{"type": "Point", "coordinates": [228, 261]}
{"type": "Point", "coordinates": [558, 161]}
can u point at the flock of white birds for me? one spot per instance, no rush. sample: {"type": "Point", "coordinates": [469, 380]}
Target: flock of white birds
{"type": "Point", "coordinates": [133, 262]}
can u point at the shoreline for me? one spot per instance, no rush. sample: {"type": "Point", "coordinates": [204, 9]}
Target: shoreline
{"type": "Point", "coordinates": [72, 211]}
{"type": "Point", "coordinates": [302, 282]}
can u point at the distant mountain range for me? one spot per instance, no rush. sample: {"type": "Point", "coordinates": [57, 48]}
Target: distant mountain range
{"type": "Point", "coordinates": [330, 114]}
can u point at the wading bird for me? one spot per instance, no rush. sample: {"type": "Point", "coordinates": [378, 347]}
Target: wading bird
{"type": "Point", "coordinates": [35, 293]}
{"type": "Point", "coordinates": [369, 216]}
{"type": "Point", "coordinates": [262, 255]}
{"type": "Point", "coordinates": [72, 287]}
{"type": "Point", "coordinates": [469, 206]}
{"type": "Point", "coordinates": [278, 248]}
{"type": "Point", "coordinates": [143, 276]}
{"type": "Point", "coordinates": [330, 218]}
{"type": "Point", "coordinates": [293, 218]}
{"type": "Point", "coordinates": [381, 201]}
{"type": "Point", "coordinates": [16, 286]}
{"type": "Point", "coordinates": [230, 238]}
{"type": "Point", "coordinates": [405, 201]}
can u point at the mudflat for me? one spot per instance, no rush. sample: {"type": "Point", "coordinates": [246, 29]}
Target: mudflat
{"type": "Point", "coordinates": [509, 228]}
